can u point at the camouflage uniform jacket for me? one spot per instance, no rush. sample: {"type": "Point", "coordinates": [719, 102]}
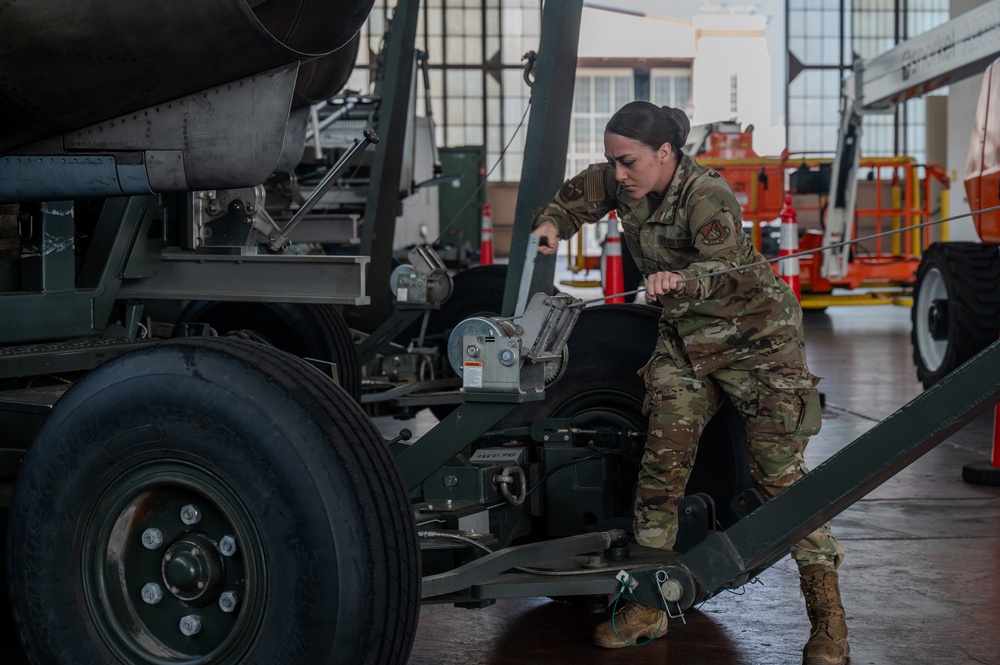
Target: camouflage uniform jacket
{"type": "Point", "coordinates": [695, 231]}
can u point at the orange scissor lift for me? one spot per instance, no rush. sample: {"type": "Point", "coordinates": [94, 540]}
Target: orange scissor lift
{"type": "Point", "coordinates": [898, 196]}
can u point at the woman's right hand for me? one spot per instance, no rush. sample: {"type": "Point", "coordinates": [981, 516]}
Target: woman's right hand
{"type": "Point", "coordinates": [663, 284]}
{"type": "Point", "coordinates": [550, 233]}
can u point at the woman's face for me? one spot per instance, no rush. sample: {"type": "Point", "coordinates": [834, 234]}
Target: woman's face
{"type": "Point", "coordinates": [639, 168]}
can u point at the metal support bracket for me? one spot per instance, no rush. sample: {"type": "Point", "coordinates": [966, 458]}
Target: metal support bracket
{"type": "Point", "coordinates": [279, 239]}
{"type": "Point", "coordinates": [695, 520]}
{"type": "Point", "coordinates": [433, 450]}
{"type": "Point", "coordinates": [288, 278]}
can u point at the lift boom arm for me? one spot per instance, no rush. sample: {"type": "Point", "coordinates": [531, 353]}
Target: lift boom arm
{"type": "Point", "coordinates": [953, 51]}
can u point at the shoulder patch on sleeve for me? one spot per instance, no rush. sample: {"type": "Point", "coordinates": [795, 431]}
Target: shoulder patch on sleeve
{"type": "Point", "coordinates": [573, 189]}
{"type": "Point", "coordinates": [595, 185]}
{"type": "Point", "coordinates": [714, 233]}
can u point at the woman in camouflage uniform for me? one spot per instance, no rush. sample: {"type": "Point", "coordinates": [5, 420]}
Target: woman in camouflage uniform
{"type": "Point", "coordinates": [736, 335]}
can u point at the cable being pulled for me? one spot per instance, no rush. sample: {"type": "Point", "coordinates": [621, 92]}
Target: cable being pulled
{"type": "Point", "coordinates": [796, 255]}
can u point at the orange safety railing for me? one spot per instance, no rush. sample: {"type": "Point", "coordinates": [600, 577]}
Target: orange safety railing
{"type": "Point", "coordinates": [579, 261]}
{"type": "Point", "coordinates": [898, 198]}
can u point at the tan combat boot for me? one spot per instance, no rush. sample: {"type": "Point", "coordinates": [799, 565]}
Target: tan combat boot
{"type": "Point", "coordinates": [631, 625]}
{"type": "Point", "coordinates": [827, 643]}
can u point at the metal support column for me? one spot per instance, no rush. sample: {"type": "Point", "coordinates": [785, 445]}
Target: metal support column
{"type": "Point", "coordinates": [383, 202]}
{"type": "Point", "coordinates": [548, 135]}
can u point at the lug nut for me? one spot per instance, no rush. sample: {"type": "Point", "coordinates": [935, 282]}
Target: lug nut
{"type": "Point", "coordinates": [152, 538]}
{"type": "Point", "coordinates": [190, 514]}
{"type": "Point", "coordinates": [152, 593]}
{"type": "Point", "coordinates": [190, 625]}
{"type": "Point", "coordinates": [228, 601]}
{"type": "Point", "coordinates": [227, 546]}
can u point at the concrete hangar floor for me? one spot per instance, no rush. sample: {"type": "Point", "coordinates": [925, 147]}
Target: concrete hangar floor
{"type": "Point", "coordinates": [921, 582]}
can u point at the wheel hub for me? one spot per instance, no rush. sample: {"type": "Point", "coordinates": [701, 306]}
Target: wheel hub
{"type": "Point", "coordinates": [192, 569]}
{"type": "Point", "coordinates": [937, 320]}
{"type": "Point", "coordinates": [171, 567]}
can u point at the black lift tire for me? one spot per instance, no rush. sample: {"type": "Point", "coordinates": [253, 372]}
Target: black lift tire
{"type": "Point", "coordinates": [956, 307]}
{"type": "Point", "coordinates": [304, 330]}
{"type": "Point", "coordinates": [207, 466]}
{"type": "Point", "coordinates": [600, 386]}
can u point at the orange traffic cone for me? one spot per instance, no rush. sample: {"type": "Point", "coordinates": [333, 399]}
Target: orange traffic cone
{"type": "Point", "coordinates": [486, 238]}
{"type": "Point", "coordinates": [614, 278]}
{"type": "Point", "coordinates": [788, 269]}
{"type": "Point", "coordinates": [986, 472]}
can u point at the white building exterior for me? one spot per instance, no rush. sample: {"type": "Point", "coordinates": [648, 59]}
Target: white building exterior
{"type": "Point", "coordinates": [715, 66]}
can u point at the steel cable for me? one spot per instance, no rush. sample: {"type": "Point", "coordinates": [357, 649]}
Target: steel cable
{"type": "Point", "coordinates": [776, 259]}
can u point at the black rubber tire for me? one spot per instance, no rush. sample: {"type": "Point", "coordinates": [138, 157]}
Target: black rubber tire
{"type": "Point", "coordinates": [9, 643]}
{"type": "Point", "coordinates": [307, 331]}
{"type": "Point", "coordinates": [477, 291]}
{"type": "Point", "coordinates": [956, 307]}
{"type": "Point", "coordinates": [607, 347]}
{"type": "Point", "coordinates": [278, 454]}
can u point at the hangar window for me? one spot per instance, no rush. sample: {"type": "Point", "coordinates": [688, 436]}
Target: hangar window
{"type": "Point", "coordinates": [474, 48]}
{"type": "Point", "coordinates": [598, 93]}
{"type": "Point", "coordinates": [822, 35]}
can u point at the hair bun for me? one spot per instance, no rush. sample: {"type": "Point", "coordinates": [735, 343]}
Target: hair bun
{"type": "Point", "coordinates": [682, 121]}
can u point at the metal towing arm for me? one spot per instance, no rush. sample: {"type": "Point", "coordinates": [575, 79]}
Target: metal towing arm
{"type": "Point", "coordinates": [729, 558]}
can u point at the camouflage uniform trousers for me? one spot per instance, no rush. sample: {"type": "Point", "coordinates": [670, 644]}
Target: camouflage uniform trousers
{"type": "Point", "coordinates": [777, 397]}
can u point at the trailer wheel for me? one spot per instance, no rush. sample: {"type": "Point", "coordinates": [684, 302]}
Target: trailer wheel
{"type": "Point", "coordinates": [209, 500]}
{"type": "Point", "coordinates": [956, 307]}
{"type": "Point", "coordinates": [304, 330]}
{"type": "Point", "coordinates": [600, 388]}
